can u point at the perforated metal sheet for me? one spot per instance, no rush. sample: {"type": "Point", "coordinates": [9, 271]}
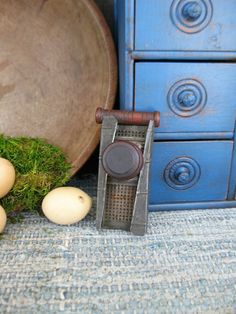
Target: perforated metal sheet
{"type": "Point", "coordinates": [119, 204]}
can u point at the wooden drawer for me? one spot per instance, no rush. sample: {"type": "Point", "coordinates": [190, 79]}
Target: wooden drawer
{"type": "Point", "coordinates": [192, 97]}
{"type": "Point", "coordinates": [185, 25]}
{"type": "Point", "coordinates": [190, 171]}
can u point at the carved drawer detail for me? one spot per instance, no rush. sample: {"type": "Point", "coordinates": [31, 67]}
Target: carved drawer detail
{"type": "Point", "coordinates": [190, 171]}
{"type": "Point", "coordinates": [189, 25]}
{"type": "Point", "coordinates": [191, 97]}
{"type": "Point", "coordinates": [187, 97]}
{"type": "Point", "coordinates": [191, 16]}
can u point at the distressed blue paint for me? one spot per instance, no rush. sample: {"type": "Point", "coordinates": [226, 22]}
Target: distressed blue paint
{"type": "Point", "coordinates": [192, 136]}
{"type": "Point", "coordinates": [155, 29]}
{"type": "Point", "coordinates": [232, 180]}
{"type": "Point", "coordinates": [184, 55]}
{"type": "Point", "coordinates": [192, 205]}
{"type": "Point", "coordinates": [154, 81]}
{"type": "Point", "coordinates": [151, 54]}
{"type": "Point", "coordinates": [125, 15]}
{"type": "Point", "coordinates": [213, 158]}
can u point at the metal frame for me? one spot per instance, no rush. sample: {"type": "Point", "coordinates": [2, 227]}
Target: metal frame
{"type": "Point", "coordinates": [138, 223]}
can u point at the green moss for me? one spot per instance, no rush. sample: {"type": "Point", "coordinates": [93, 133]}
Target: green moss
{"type": "Point", "coordinates": [40, 167]}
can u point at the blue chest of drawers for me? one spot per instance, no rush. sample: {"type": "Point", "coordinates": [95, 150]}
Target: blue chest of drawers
{"type": "Point", "coordinates": [177, 57]}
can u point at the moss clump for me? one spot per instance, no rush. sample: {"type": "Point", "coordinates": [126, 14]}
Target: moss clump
{"type": "Point", "coordinates": [39, 166]}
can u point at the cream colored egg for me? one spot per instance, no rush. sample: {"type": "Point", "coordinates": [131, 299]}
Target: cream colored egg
{"type": "Point", "coordinates": [3, 219]}
{"type": "Point", "coordinates": [7, 176]}
{"type": "Point", "coordinates": [66, 205]}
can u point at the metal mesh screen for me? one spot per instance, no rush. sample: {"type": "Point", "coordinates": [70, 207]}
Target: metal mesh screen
{"type": "Point", "coordinates": [131, 132]}
{"type": "Point", "coordinates": [119, 205]}
{"type": "Point", "coordinates": [120, 195]}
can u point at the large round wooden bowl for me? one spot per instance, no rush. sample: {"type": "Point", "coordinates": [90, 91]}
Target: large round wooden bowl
{"type": "Point", "coordinates": [57, 65]}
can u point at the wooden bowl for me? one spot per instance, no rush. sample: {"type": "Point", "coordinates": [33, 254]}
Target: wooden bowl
{"type": "Point", "coordinates": [57, 65]}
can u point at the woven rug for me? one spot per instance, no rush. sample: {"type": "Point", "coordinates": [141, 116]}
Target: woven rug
{"type": "Point", "coordinates": [185, 264]}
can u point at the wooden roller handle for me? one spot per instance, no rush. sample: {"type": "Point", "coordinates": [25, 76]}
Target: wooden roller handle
{"type": "Point", "coordinates": [129, 117]}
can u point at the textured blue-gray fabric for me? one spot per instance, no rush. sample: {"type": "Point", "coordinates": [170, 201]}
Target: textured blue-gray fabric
{"type": "Point", "coordinates": [185, 264]}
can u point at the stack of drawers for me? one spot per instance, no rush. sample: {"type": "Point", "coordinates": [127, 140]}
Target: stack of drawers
{"type": "Point", "coordinates": [177, 57]}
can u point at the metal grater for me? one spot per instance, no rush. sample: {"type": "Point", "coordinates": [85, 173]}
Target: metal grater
{"type": "Point", "coordinates": [122, 200]}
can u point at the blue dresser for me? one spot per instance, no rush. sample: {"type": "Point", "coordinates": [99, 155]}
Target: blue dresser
{"type": "Point", "coordinates": [177, 57]}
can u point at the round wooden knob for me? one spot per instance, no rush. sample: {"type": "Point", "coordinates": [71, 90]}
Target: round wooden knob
{"type": "Point", "coordinates": [182, 175]}
{"type": "Point", "coordinates": [122, 160]}
{"type": "Point", "coordinates": [187, 98]}
{"type": "Point", "coordinates": [192, 11]}
{"type": "Point", "coordinates": [191, 16]}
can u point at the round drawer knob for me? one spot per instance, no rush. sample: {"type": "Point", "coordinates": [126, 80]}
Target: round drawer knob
{"type": "Point", "coordinates": [192, 11]}
{"type": "Point", "coordinates": [191, 16]}
{"type": "Point", "coordinates": [182, 173]}
{"type": "Point", "coordinates": [187, 98]}
{"type": "Point", "coordinates": [122, 160]}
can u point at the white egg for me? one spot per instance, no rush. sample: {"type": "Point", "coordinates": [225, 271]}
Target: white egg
{"type": "Point", "coordinates": [3, 219]}
{"type": "Point", "coordinates": [7, 176]}
{"type": "Point", "coordinates": [66, 205]}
